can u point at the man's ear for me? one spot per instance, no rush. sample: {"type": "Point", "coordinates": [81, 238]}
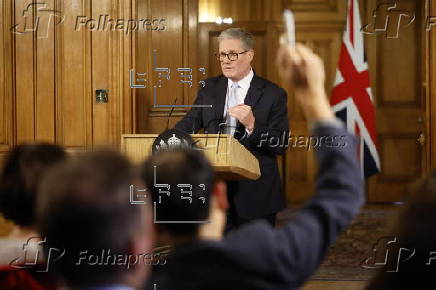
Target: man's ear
{"type": "Point", "coordinates": [220, 194]}
{"type": "Point", "coordinates": [251, 52]}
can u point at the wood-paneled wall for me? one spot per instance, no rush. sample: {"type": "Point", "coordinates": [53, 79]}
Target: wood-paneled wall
{"type": "Point", "coordinates": [49, 77]}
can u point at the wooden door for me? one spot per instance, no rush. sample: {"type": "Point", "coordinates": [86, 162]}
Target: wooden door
{"type": "Point", "coordinates": [398, 77]}
{"type": "Point", "coordinates": [174, 50]}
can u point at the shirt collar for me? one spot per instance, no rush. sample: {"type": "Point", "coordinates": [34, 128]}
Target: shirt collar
{"type": "Point", "coordinates": [245, 82]}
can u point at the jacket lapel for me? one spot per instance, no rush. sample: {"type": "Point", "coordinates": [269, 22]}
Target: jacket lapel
{"type": "Point", "coordinates": [220, 98]}
{"type": "Point", "coordinates": [255, 92]}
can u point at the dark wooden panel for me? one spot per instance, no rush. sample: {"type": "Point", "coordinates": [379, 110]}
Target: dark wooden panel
{"type": "Point", "coordinates": [311, 10]}
{"type": "Point", "coordinates": [45, 75]}
{"type": "Point", "coordinates": [106, 75]}
{"type": "Point", "coordinates": [313, 5]}
{"type": "Point", "coordinates": [397, 70]}
{"type": "Point", "coordinates": [398, 65]}
{"type": "Point", "coordinates": [174, 48]}
{"type": "Point", "coordinates": [6, 77]}
{"type": "Point", "coordinates": [24, 74]}
{"type": "Point", "coordinates": [271, 10]}
{"type": "Point", "coordinates": [169, 47]}
{"type": "Point", "coordinates": [397, 166]}
{"type": "Point", "coordinates": [431, 82]}
{"type": "Point", "coordinates": [73, 77]}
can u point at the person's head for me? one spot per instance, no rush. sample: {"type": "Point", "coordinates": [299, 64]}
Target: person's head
{"type": "Point", "coordinates": [235, 53]}
{"type": "Point", "coordinates": [183, 188]}
{"type": "Point", "coordinates": [23, 169]}
{"type": "Point", "coordinates": [85, 210]}
{"type": "Point", "coordinates": [415, 233]}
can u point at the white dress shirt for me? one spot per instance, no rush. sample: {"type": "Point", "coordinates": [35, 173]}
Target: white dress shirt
{"type": "Point", "coordinates": [244, 85]}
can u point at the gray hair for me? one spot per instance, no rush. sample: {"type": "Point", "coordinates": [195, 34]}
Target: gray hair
{"type": "Point", "coordinates": [238, 33]}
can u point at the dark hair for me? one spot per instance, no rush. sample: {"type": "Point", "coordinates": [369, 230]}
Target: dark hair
{"type": "Point", "coordinates": [84, 206]}
{"type": "Point", "coordinates": [23, 169]}
{"type": "Point", "coordinates": [415, 230]}
{"type": "Point", "coordinates": [180, 169]}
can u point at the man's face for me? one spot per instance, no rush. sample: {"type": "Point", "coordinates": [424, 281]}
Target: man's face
{"type": "Point", "coordinates": [235, 69]}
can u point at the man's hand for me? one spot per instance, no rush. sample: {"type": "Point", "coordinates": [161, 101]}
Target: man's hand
{"type": "Point", "coordinates": [304, 71]}
{"type": "Point", "coordinates": [244, 115]}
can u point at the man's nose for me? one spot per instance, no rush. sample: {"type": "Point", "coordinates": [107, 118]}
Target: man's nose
{"type": "Point", "coordinates": [226, 60]}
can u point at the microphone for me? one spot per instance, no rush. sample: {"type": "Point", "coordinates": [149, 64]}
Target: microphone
{"type": "Point", "coordinates": [169, 115]}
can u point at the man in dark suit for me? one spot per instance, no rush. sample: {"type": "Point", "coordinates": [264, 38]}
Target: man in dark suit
{"type": "Point", "coordinates": [257, 256]}
{"type": "Point", "coordinates": [251, 109]}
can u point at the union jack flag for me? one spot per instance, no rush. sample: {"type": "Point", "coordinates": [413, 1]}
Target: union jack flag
{"type": "Point", "coordinates": [352, 99]}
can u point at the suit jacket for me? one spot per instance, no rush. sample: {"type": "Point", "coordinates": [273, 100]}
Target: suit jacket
{"type": "Point", "coordinates": [252, 198]}
{"type": "Point", "coordinates": [257, 256]}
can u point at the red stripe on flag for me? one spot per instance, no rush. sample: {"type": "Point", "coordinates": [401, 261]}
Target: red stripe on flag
{"type": "Point", "coordinates": [354, 86]}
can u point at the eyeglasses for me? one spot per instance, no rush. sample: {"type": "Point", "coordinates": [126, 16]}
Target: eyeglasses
{"type": "Point", "coordinates": [231, 56]}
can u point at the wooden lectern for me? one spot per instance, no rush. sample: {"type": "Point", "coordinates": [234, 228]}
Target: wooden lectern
{"type": "Point", "coordinates": [230, 159]}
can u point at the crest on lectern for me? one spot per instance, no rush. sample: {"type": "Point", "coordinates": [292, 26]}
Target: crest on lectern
{"type": "Point", "coordinates": [172, 139]}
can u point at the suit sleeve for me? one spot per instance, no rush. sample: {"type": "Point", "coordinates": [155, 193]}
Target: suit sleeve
{"type": "Point", "coordinates": [339, 194]}
{"type": "Point", "coordinates": [276, 129]}
{"type": "Point", "coordinates": [295, 251]}
{"type": "Point", "coordinates": [192, 122]}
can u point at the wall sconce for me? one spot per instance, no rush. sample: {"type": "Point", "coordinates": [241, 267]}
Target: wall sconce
{"type": "Point", "coordinates": [220, 20]}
